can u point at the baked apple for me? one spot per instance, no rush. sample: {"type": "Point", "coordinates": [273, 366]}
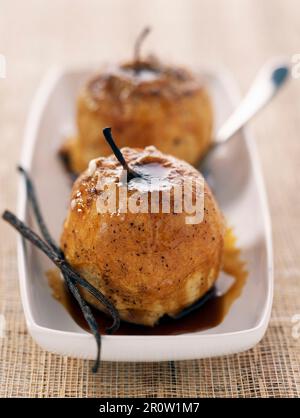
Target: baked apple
{"type": "Point", "coordinates": [146, 103]}
{"type": "Point", "coordinates": [147, 264]}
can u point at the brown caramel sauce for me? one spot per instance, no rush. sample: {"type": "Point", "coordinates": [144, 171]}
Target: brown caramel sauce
{"type": "Point", "coordinates": [209, 315]}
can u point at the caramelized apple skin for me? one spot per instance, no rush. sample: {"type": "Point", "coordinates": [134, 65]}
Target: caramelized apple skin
{"type": "Point", "coordinates": [170, 109]}
{"type": "Point", "coordinates": [148, 264]}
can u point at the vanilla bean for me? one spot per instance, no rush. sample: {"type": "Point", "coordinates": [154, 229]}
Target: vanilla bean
{"type": "Point", "coordinates": [63, 265]}
{"type": "Point", "coordinates": [66, 268]}
{"type": "Point", "coordinates": [71, 279]}
{"type": "Point", "coordinates": [118, 154]}
{"type": "Point", "coordinates": [51, 249]}
{"type": "Point", "coordinates": [27, 233]}
{"type": "Point", "coordinates": [37, 212]}
{"type": "Point", "coordinates": [31, 236]}
{"type": "Point", "coordinates": [140, 39]}
{"type": "Point", "coordinates": [88, 316]}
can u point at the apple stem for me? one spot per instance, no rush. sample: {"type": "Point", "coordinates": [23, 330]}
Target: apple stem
{"type": "Point", "coordinates": [140, 39]}
{"type": "Point", "coordinates": [118, 154]}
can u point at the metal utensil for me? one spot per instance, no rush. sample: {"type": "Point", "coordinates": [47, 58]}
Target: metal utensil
{"type": "Point", "coordinates": [269, 80]}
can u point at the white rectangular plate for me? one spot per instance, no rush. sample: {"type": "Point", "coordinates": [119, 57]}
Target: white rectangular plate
{"type": "Point", "coordinates": [238, 187]}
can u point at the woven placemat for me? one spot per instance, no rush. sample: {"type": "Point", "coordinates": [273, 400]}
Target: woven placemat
{"type": "Point", "coordinates": [270, 369]}
{"type": "Point", "coordinates": [35, 37]}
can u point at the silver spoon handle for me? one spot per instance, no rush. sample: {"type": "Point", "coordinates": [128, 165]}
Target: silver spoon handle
{"type": "Point", "coordinates": [266, 84]}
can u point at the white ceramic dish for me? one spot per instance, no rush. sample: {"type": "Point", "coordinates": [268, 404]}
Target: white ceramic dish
{"type": "Point", "coordinates": [239, 189]}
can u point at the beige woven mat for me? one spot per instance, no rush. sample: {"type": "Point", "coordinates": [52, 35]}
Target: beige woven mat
{"type": "Point", "coordinates": [35, 35]}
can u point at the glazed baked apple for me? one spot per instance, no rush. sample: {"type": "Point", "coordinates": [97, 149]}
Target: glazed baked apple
{"type": "Point", "coordinates": [148, 264]}
{"type": "Point", "coordinates": [146, 103]}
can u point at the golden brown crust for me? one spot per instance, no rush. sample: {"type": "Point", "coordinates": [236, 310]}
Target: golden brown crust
{"type": "Point", "coordinates": [148, 264]}
{"type": "Point", "coordinates": [146, 103]}
{"type": "Point", "coordinates": [142, 79]}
